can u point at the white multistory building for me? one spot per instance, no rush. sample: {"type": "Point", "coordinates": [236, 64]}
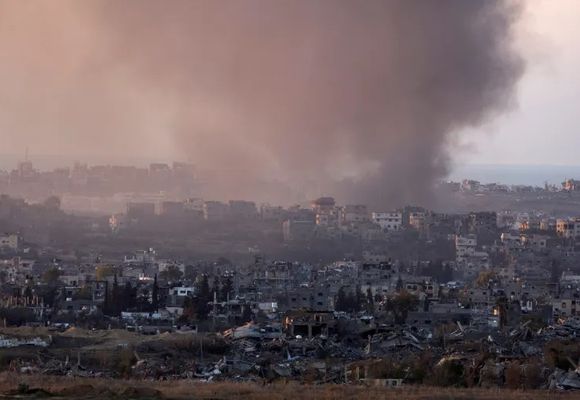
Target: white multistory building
{"type": "Point", "coordinates": [388, 221]}
{"type": "Point", "coordinates": [464, 247]}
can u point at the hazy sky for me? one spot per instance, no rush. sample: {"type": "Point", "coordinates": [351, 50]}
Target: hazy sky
{"type": "Point", "coordinates": [545, 129]}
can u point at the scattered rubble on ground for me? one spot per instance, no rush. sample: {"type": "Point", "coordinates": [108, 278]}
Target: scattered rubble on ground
{"type": "Point", "coordinates": [262, 353]}
{"type": "Point", "coordinates": [8, 342]}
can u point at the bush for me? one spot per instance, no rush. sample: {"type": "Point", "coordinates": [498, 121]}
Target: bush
{"type": "Point", "coordinates": [557, 352]}
{"type": "Point", "coordinates": [126, 361]}
{"type": "Point", "coordinates": [17, 316]}
{"type": "Point", "coordinates": [533, 376]}
{"type": "Point", "coordinates": [513, 376]}
{"type": "Point", "coordinates": [450, 373]}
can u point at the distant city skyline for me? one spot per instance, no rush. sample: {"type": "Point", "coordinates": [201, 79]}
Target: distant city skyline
{"type": "Point", "coordinates": [510, 174]}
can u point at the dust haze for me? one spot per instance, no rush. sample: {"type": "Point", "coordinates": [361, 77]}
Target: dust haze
{"type": "Point", "coordinates": [271, 100]}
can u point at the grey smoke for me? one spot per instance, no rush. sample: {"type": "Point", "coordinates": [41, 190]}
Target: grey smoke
{"type": "Point", "coordinates": [360, 99]}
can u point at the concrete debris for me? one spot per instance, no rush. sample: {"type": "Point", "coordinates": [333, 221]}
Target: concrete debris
{"type": "Point", "coordinates": [563, 380]}
{"type": "Point", "coordinates": [8, 342]}
{"type": "Point", "coordinates": [262, 352]}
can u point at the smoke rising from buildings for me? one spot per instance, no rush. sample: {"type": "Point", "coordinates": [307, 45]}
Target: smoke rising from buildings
{"type": "Point", "coordinates": [357, 99]}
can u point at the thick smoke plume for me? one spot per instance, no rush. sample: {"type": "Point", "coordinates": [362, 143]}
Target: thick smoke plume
{"type": "Point", "coordinates": [360, 99]}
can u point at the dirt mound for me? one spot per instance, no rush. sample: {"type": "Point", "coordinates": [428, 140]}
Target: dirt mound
{"type": "Point", "coordinates": [141, 393]}
{"type": "Point", "coordinates": [88, 391]}
{"type": "Point", "coordinates": [24, 331]}
{"type": "Point", "coordinates": [24, 390]}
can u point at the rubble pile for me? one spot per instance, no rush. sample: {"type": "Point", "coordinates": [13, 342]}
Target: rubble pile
{"type": "Point", "coordinates": [384, 356]}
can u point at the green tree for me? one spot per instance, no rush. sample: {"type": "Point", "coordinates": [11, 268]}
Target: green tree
{"type": "Point", "coordinates": [155, 295]}
{"type": "Point", "coordinates": [370, 301]}
{"type": "Point", "coordinates": [202, 286]}
{"type": "Point", "coordinates": [399, 286]}
{"type": "Point", "coordinates": [28, 292]}
{"type": "Point", "coordinates": [189, 272]}
{"type": "Point", "coordinates": [400, 305]}
{"type": "Point", "coordinates": [484, 278]}
{"type": "Point", "coordinates": [227, 288]}
{"type": "Point", "coordinates": [116, 306]}
{"type": "Point", "coordinates": [85, 293]}
{"type": "Point", "coordinates": [189, 310]}
{"type": "Point", "coordinates": [203, 297]}
{"type": "Point", "coordinates": [107, 301]}
{"type": "Point", "coordinates": [51, 276]}
{"type": "Point", "coordinates": [130, 296]}
{"type": "Point", "coordinates": [216, 289]}
{"type": "Point", "coordinates": [171, 274]}
{"type": "Point", "coordinates": [102, 272]}
{"type": "Point", "coordinates": [247, 314]}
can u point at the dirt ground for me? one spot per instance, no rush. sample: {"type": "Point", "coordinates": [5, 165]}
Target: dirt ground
{"type": "Point", "coordinates": [31, 386]}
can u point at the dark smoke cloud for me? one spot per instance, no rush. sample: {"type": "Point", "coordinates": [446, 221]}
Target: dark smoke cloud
{"type": "Point", "coordinates": [358, 99]}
